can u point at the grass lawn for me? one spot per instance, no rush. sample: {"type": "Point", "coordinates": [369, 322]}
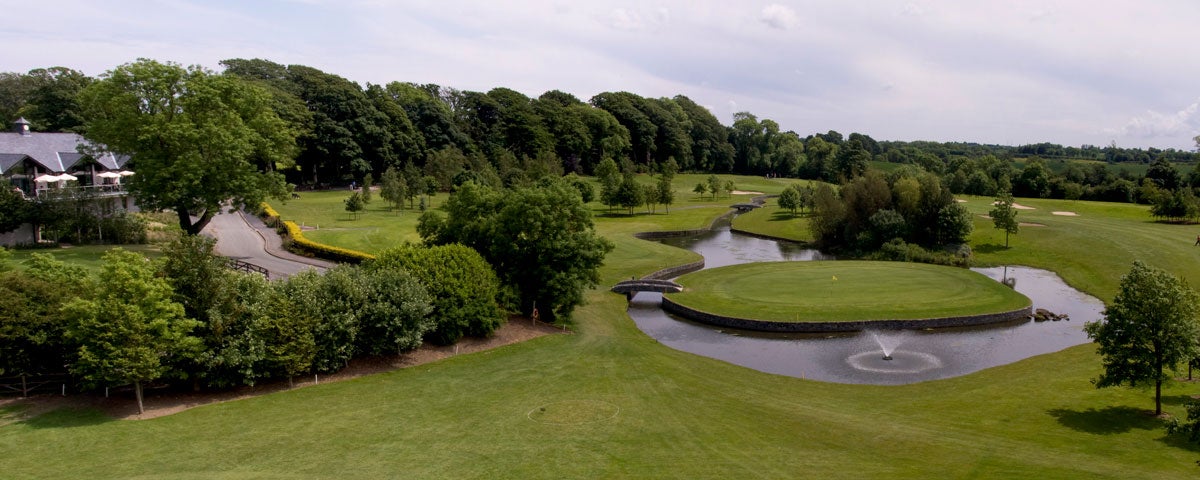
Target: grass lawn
{"type": "Point", "coordinates": [87, 256]}
{"type": "Point", "coordinates": [844, 290]}
{"type": "Point", "coordinates": [372, 230]}
{"type": "Point", "coordinates": [621, 405]}
{"type": "Point", "coordinates": [780, 223]}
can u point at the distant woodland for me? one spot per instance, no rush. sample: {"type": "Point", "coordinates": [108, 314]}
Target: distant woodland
{"type": "Point", "coordinates": [502, 137]}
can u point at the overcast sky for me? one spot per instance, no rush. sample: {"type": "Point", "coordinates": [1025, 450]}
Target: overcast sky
{"type": "Point", "coordinates": [1007, 72]}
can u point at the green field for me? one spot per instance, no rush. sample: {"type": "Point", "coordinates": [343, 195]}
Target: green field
{"type": "Point", "coordinates": [844, 290]}
{"type": "Point", "coordinates": [621, 405]}
{"type": "Point", "coordinates": [87, 256]}
{"type": "Point", "coordinates": [775, 221]}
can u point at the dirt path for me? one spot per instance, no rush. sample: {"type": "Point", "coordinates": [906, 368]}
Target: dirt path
{"type": "Point", "coordinates": [123, 407]}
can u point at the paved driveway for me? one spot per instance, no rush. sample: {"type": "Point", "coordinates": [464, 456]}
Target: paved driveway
{"type": "Point", "coordinates": [245, 238]}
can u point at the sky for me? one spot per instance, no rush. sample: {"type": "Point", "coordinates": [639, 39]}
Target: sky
{"type": "Point", "coordinates": [1013, 72]}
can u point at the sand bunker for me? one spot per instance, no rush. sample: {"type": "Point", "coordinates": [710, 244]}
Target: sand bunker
{"type": "Point", "coordinates": [1018, 206]}
{"type": "Point", "coordinates": [959, 200]}
{"type": "Point", "coordinates": [1030, 224]}
{"type": "Point", "coordinates": [1065, 214]}
{"type": "Point", "coordinates": [743, 192]}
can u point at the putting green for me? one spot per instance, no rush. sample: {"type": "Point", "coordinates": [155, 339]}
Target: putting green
{"type": "Point", "coordinates": [844, 291]}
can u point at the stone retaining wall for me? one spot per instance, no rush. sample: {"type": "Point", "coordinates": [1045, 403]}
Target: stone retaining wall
{"type": "Point", "coordinates": [824, 327]}
{"type": "Point", "coordinates": [683, 233]}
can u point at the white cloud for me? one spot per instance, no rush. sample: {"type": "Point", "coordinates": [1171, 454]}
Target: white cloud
{"type": "Point", "coordinates": [1025, 71]}
{"type": "Point", "coordinates": [1152, 124]}
{"type": "Point", "coordinates": [779, 16]}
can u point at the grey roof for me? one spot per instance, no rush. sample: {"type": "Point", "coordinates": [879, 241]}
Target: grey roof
{"type": "Point", "coordinates": [7, 160]}
{"type": "Point", "coordinates": [56, 152]}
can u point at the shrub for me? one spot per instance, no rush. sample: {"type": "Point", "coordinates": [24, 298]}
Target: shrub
{"type": "Point", "coordinates": [898, 250]}
{"type": "Point", "coordinates": [462, 285]}
{"type": "Point", "coordinates": [269, 215]}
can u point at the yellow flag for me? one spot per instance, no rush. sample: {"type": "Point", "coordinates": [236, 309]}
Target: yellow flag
{"type": "Point", "coordinates": [835, 278]}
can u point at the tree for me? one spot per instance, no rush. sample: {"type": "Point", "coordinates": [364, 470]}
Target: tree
{"type": "Point", "coordinates": [355, 204]}
{"type": "Point", "coordinates": [700, 189]}
{"type": "Point", "coordinates": [54, 101]}
{"type": "Point", "coordinates": [132, 330]}
{"type": "Point", "coordinates": [540, 240]}
{"type": "Point", "coordinates": [1151, 326]}
{"type": "Point", "coordinates": [392, 187]}
{"type": "Point", "coordinates": [665, 193]}
{"type": "Point", "coordinates": [790, 199]}
{"type": "Point", "coordinates": [463, 286]}
{"type": "Point", "coordinates": [195, 138]}
{"type": "Point", "coordinates": [1004, 216]}
{"type": "Point", "coordinates": [610, 179]}
{"type": "Point", "coordinates": [650, 197]}
{"type": "Point", "coordinates": [366, 188]}
{"type": "Point", "coordinates": [629, 193]}
{"type": "Point", "coordinates": [14, 209]}
{"type": "Point", "coordinates": [715, 185]}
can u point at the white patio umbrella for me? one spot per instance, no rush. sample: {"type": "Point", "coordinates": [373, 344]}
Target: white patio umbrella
{"type": "Point", "coordinates": [126, 173]}
{"type": "Point", "coordinates": [108, 175]}
{"type": "Point", "coordinates": [46, 178]}
{"type": "Point", "coordinates": [67, 176]}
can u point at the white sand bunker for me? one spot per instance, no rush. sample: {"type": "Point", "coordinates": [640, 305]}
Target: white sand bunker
{"type": "Point", "coordinates": [1065, 214]}
{"type": "Point", "coordinates": [1017, 206]}
{"type": "Point", "coordinates": [959, 200]}
{"type": "Point", "coordinates": [743, 192]}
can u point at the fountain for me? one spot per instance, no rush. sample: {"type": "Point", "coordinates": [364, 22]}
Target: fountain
{"type": "Point", "coordinates": [887, 349]}
{"type": "Point", "coordinates": [893, 361]}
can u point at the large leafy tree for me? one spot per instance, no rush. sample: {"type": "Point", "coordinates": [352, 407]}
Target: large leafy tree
{"type": "Point", "coordinates": [31, 317]}
{"type": "Point", "coordinates": [540, 240]}
{"type": "Point", "coordinates": [1149, 328]}
{"type": "Point", "coordinates": [195, 137]}
{"type": "Point", "coordinates": [54, 101]}
{"type": "Point", "coordinates": [132, 330]}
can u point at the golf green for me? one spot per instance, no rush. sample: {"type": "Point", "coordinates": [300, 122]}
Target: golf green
{"type": "Point", "coordinates": [844, 291]}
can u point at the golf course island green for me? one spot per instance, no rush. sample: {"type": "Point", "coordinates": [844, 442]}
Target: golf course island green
{"type": "Point", "coordinates": [843, 295]}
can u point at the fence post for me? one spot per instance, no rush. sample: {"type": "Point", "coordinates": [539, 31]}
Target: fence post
{"type": "Point", "coordinates": [24, 388]}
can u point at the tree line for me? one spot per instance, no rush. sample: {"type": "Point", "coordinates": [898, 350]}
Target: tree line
{"type": "Point", "coordinates": [188, 320]}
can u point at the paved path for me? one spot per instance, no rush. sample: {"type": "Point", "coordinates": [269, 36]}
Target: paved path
{"type": "Point", "coordinates": [246, 238]}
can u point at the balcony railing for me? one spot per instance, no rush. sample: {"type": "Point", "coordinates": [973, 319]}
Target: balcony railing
{"type": "Point", "coordinates": [108, 190]}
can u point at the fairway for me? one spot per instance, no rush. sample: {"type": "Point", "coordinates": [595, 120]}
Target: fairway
{"type": "Point", "coordinates": [843, 290]}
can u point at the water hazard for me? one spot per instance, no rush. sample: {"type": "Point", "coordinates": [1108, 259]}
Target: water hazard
{"type": "Point", "coordinates": [916, 355]}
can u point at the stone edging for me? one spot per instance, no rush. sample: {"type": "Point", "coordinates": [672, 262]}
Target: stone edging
{"type": "Point", "coordinates": [823, 327]}
{"type": "Point", "coordinates": [672, 272]}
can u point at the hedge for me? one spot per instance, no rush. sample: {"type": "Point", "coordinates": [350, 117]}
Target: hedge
{"type": "Point", "coordinates": [269, 215]}
{"type": "Point", "coordinates": [322, 250]}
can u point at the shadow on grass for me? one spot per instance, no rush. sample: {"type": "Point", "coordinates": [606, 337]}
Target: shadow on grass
{"type": "Point", "coordinates": [1108, 420]}
{"type": "Point", "coordinates": [68, 417]}
{"type": "Point", "coordinates": [783, 216]}
{"type": "Point", "coordinates": [1179, 399]}
{"type": "Point", "coordinates": [990, 248]}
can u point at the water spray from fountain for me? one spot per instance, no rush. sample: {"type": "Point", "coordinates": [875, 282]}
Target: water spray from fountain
{"type": "Point", "coordinates": [888, 343]}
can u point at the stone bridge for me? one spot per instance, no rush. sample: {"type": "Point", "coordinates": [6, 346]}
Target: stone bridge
{"type": "Point", "coordinates": [631, 287]}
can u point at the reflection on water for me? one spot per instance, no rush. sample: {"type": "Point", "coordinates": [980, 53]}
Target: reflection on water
{"type": "Point", "coordinates": [858, 358]}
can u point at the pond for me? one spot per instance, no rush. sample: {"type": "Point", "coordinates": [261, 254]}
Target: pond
{"type": "Point", "coordinates": [916, 355]}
